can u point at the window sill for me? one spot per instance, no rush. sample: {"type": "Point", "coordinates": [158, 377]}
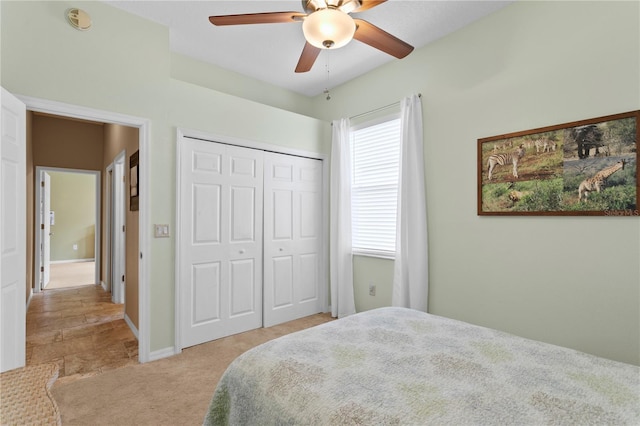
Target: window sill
{"type": "Point", "coordinates": [376, 254]}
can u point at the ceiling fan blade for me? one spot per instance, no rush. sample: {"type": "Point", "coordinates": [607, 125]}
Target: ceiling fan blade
{"type": "Point", "coordinates": [257, 18]}
{"type": "Point", "coordinates": [307, 58]}
{"type": "Point", "coordinates": [380, 39]}
{"type": "Point", "coordinates": [368, 4]}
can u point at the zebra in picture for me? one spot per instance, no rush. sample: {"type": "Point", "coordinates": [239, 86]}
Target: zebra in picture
{"type": "Point", "coordinates": [505, 158]}
{"type": "Point", "coordinates": [599, 180]}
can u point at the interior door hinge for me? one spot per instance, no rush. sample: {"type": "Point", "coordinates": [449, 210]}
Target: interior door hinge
{"type": "Point", "coordinates": [122, 228]}
{"type": "Point", "coordinates": [123, 278]}
{"type": "Point", "coordinates": [42, 226]}
{"type": "Point", "coordinates": [42, 269]}
{"type": "Point", "coordinates": [123, 179]}
{"type": "Point", "coordinates": [42, 183]}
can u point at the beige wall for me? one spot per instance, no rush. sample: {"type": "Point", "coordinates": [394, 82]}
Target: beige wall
{"type": "Point", "coordinates": [69, 144]}
{"type": "Point", "coordinates": [73, 201]}
{"type": "Point", "coordinates": [116, 139]}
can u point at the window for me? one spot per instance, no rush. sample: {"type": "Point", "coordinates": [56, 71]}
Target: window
{"type": "Point", "coordinates": [375, 160]}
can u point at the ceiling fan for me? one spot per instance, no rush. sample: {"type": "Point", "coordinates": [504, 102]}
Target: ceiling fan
{"type": "Point", "coordinates": [327, 24]}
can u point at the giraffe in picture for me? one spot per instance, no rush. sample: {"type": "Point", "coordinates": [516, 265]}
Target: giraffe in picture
{"type": "Point", "coordinates": [598, 181]}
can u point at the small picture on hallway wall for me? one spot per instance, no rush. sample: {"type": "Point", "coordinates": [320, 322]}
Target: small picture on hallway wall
{"type": "Point", "coordinates": [587, 167]}
{"type": "Point", "coordinates": [133, 181]}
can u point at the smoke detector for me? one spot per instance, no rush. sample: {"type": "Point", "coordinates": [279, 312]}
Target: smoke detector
{"type": "Point", "coordinates": [78, 19]}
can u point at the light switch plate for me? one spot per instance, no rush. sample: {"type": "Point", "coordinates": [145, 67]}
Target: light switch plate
{"type": "Point", "coordinates": [161, 231]}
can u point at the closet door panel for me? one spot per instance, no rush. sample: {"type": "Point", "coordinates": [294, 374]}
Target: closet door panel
{"type": "Point", "coordinates": [293, 231]}
{"type": "Point", "coordinates": [220, 240]}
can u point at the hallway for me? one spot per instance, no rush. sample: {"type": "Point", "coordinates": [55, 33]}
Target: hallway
{"type": "Point", "coordinates": [81, 330]}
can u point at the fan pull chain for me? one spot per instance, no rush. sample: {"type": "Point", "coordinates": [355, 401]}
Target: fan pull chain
{"type": "Point", "coordinates": [326, 90]}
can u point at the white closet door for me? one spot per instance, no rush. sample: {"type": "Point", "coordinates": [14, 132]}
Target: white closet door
{"type": "Point", "coordinates": [220, 240]}
{"type": "Point", "coordinates": [292, 237]}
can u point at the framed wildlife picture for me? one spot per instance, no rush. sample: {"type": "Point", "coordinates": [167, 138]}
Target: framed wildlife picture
{"type": "Point", "coordinates": [587, 167]}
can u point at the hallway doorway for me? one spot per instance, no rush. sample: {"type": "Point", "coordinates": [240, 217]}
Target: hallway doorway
{"type": "Point", "coordinates": [67, 227]}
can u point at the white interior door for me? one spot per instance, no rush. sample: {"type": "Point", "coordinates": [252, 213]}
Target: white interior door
{"type": "Point", "coordinates": [118, 242]}
{"type": "Point", "coordinates": [13, 237]}
{"type": "Point", "coordinates": [45, 211]}
{"type": "Point", "coordinates": [292, 237]}
{"type": "Point", "coordinates": [108, 221]}
{"type": "Point", "coordinates": [220, 244]}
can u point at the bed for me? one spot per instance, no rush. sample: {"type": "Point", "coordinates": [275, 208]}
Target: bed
{"type": "Point", "coordinates": [397, 366]}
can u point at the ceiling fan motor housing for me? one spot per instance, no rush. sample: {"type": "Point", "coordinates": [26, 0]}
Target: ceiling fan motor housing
{"type": "Point", "coordinates": [346, 6]}
{"type": "Point", "coordinates": [328, 28]}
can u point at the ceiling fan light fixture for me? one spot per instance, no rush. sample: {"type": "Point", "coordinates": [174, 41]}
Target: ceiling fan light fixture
{"type": "Point", "coordinates": [328, 28]}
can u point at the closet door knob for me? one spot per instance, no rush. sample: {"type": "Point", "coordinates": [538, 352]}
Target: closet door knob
{"type": "Point", "coordinates": [281, 249]}
{"type": "Point", "coordinates": [241, 251]}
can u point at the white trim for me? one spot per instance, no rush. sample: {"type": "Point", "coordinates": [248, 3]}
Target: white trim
{"type": "Point", "coordinates": [246, 143]}
{"type": "Point", "coordinates": [73, 260]}
{"type": "Point", "coordinates": [29, 299]}
{"type": "Point", "coordinates": [144, 137]}
{"type": "Point", "coordinates": [131, 326]}
{"type": "Point", "coordinates": [38, 221]}
{"type": "Point", "coordinates": [118, 236]}
{"type": "Point", "coordinates": [325, 296]}
{"type": "Point", "coordinates": [182, 133]}
{"type": "Point", "coordinates": [163, 353]}
{"type": "Point", "coordinates": [103, 285]}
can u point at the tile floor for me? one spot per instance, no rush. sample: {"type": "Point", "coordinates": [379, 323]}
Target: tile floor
{"type": "Point", "coordinates": [81, 330]}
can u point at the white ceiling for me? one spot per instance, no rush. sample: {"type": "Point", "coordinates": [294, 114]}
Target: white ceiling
{"type": "Point", "coordinates": [270, 52]}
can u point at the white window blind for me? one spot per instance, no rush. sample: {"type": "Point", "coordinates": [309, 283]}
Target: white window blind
{"type": "Point", "coordinates": [375, 151]}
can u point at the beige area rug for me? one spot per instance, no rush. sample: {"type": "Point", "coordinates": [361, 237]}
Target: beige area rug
{"type": "Point", "coordinates": [25, 396]}
{"type": "Point", "coordinates": [65, 275]}
{"type": "Point", "coordinates": [171, 391]}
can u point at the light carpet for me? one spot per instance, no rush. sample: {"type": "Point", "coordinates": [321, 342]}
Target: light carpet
{"type": "Point", "coordinates": [171, 391]}
{"type": "Point", "coordinates": [25, 396]}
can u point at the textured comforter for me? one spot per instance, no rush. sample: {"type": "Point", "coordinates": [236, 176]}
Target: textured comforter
{"type": "Point", "coordinates": [395, 366]}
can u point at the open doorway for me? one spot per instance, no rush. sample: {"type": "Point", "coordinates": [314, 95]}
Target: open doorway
{"type": "Point", "coordinates": [67, 228]}
{"type": "Point", "coordinates": [86, 314]}
{"type": "Point", "coordinates": [133, 133]}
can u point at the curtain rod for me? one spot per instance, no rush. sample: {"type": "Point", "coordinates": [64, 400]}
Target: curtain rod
{"type": "Point", "coordinates": [376, 110]}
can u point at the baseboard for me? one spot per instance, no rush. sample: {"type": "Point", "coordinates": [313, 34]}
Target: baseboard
{"type": "Point", "coordinates": [162, 353]}
{"type": "Point", "coordinates": [72, 261]}
{"type": "Point", "coordinates": [131, 326]}
{"type": "Point", "coordinates": [29, 299]}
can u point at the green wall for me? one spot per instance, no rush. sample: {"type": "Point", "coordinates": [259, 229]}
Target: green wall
{"type": "Point", "coordinates": [73, 199]}
{"type": "Point", "coordinates": [123, 64]}
{"type": "Point", "coordinates": [572, 281]}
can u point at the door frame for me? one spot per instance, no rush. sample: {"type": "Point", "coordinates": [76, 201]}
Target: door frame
{"type": "Point", "coordinates": [116, 219]}
{"type": "Point", "coordinates": [108, 242]}
{"type": "Point", "coordinates": [40, 170]}
{"type": "Point", "coordinates": [181, 134]}
{"type": "Point", "coordinates": [144, 136]}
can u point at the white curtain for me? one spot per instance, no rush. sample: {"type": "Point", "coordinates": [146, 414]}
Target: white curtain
{"type": "Point", "coordinates": [340, 256]}
{"type": "Point", "coordinates": [410, 277]}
